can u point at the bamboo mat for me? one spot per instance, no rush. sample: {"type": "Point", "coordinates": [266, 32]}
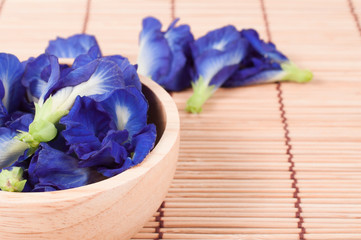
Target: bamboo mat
{"type": "Point", "coordinates": [278, 161]}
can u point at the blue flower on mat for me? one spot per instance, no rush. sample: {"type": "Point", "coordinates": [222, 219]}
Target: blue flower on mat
{"type": "Point", "coordinates": [73, 46]}
{"type": "Point", "coordinates": [264, 63]}
{"type": "Point", "coordinates": [217, 56]}
{"type": "Point", "coordinates": [51, 170]}
{"type": "Point", "coordinates": [165, 56]}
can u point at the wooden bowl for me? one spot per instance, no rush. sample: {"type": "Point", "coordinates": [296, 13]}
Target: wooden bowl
{"type": "Point", "coordinates": [115, 208]}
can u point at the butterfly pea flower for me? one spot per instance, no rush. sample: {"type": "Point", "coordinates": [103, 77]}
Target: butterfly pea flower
{"type": "Point", "coordinates": [74, 46]}
{"type": "Point", "coordinates": [11, 180]}
{"type": "Point", "coordinates": [94, 79]}
{"type": "Point", "coordinates": [264, 64]}
{"type": "Point", "coordinates": [165, 56]}
{"type": "Point", "coordinates": [216, 57]}
{"type": "Point", "coordinates": [51, 170]}
{"type": "Point", "coordinates": [106, 135]}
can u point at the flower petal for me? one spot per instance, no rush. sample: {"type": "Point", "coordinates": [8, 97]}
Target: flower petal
{"type": "Point", "coordinates": [34, 79]}
{"type": "Point", "coordinates": [86, 126]}
{"type": "Point", "coordinates": [11, 72]}
{"type": "Point", "coordinates": [96, 79]}
{"type": "Point", "coordinates": [73, 46]}
{"type": "Point", "coordinates": [130, 74]}
{"type": "Point", "coordinates": [55, 170]}
{"type": "Point", "coordinates": [143, 143]}
{"type": "Point", "coordinates": [260, 71]}
{"type": "Point", "coordinates": [86, 58]}
{"type": "Point", "coordinates": [165, 56]}
{"type": "Point", "coordinates": [154, 54]}
{"type": "Point", "coordinates": [265, 49]}
{"type": "Point", "coordinates": [128, 108]}
{"type": "Point", "coordinates": [216, 66]}
{"type": "Point", "coordinates": [10, 148]}
{"type": "Point", "coordinates": [111, 154]}
{"type": "Point", "coordinates": [217, 39]}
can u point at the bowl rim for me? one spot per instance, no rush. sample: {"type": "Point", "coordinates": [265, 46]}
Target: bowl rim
{"type": "Point", "coordinates": [162, 148]}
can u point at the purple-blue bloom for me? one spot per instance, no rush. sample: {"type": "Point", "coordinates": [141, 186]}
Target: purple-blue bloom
{"type": "Point", "coordinates": [217, 56]}
{"type": "Point", "coordinates": [103, 129]}
{"type": "Point", "coordinates": [165, 56]}
{"type": "Point", "coordinates": [73, 46]}
{"type": "Point", "coordinates": [128, 108]}
{"type": "Point", "coordinates": [264, 63]}
{"type": "Point", "coordinates": [112, 135]}
{"type": "Point", "coordinates": [51, 170]}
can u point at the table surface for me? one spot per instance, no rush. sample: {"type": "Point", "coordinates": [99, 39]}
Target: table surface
{"type": "Point", "coordinates": [276, 161]}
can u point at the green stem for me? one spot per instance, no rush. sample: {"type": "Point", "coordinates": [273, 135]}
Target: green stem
{"type": "Point", "coordinates": [201, 92]}
{"type": "Point", "coordinates": [294, 73]}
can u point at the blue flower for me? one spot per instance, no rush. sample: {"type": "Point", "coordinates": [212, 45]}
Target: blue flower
{"type": "Point", "coordinates": [165, 56]}
{"type": "Point", "coordinates": [111, 135]}
{"type": "Point", "coordinates": [217, 56]}
{"type": "Point", "coordinates": [128, 108]}
{"type": "Point", "coordinates": [38, 73]}
{"type": "Point", "coordinates": [11, 89]}
{"type": "Point", "coordinates": [51, 169]}
{"type": "Point", "coordinates": [266, 50]}
{"type": "Point", "coordinates": [86, 126]}
{"type": "Point", "coordinates": [73, 46]}
{"type": "Point", "coordinates": [264, 64]}
{"type": "Point", "coordinates": [130, 74]}
{"type": "Point", "coordinates": [96, 79]}
{"type": "Point", "coordinates": [139, 148]}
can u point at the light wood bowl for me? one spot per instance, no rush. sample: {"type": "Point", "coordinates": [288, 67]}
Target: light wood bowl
{"type": "Point", "coordinates": [115, 208]}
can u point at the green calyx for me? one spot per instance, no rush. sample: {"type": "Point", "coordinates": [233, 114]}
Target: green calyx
{"type": "Point", "coordinates": [294, 73]}
{"type": "Point", "coordinates": [12, 180]}
{"type": "Point", "coordinates": [201, 92]}
{"type": "Point", "coordinates": [42, 129]}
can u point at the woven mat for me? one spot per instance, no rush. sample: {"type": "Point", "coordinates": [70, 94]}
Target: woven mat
{"type": "Point", "coordinates": [277, 161]}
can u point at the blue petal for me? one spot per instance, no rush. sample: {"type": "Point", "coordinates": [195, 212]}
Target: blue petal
{"type": "Point", "coordinates": [86, 126]}
{"type": "Point", "coordinates": [143, 143]}
{"type": "Point", "coordinates": [165, 56]}
{"type": "Point", "coordinates": [3, 114]}
{"type": "Point", "coordinates": [180, 76]}
{"type": "Point", "coordinates": [11, 72]}
{"type": "Point", "coordinates": [111, 154]}
{"type": "Point", "coordinates": [217, 39]}
{"type": "Point", "coordinates": [73, 46]}
{"type": "Point", "coordinates": [51, 169]}
{"type": "Point", "coordinates": [215, 66]}
{"type": "Point", "coordinates": [128, 108]}
{"type": "Point", "coordinates": [130, 74]}
{"type": "Point", "coordinates": [154, 58]}
{"type": "Point", "coordinates": [267, 50]}
{"type": "Point", "coordinates": [19, 121]}
{"type": "Point", "coordinates": [84, 59]}
{"type": "Point", "coordinates": [260, 71]}
{"type": "Point", "coordinates": [96, 79]}
{"type": "Point", "coordinates": [10, 149]}
{"type": "Point", "coordinates": [38, 73]}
